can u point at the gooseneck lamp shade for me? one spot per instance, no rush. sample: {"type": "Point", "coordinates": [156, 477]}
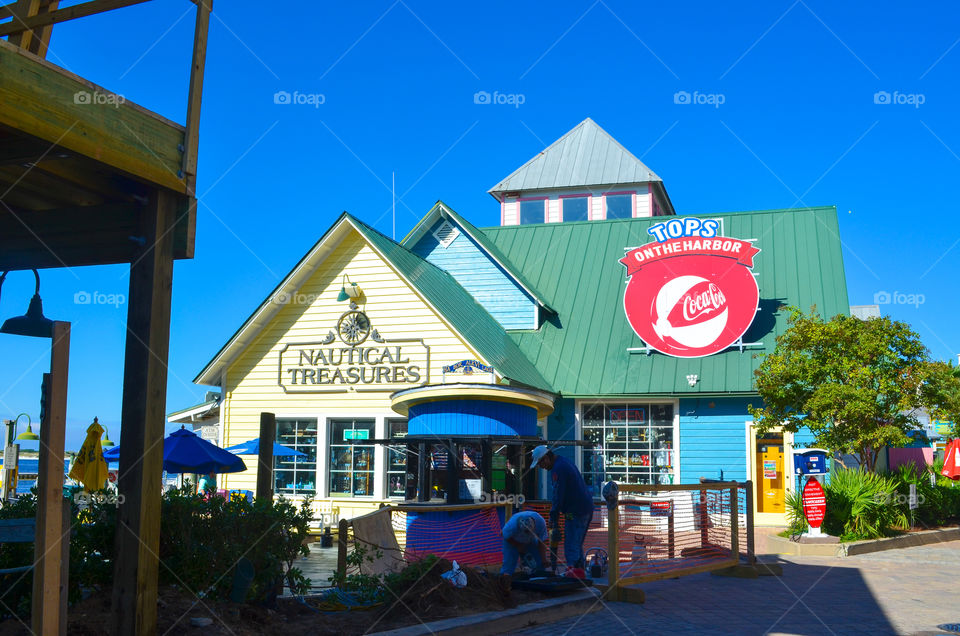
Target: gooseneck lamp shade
{"type": "Point", "coordinates": [28, 435]}
{"type": "Point", "coordinates": [33, 323]}
{"type": "Point", "coordinates": [105, 442]}
{"type": "Point", "coordinates": [348, 290]}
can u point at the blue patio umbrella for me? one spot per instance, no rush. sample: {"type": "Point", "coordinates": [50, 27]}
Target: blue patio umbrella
{"type": "Point", "coordinates": [185, 452]}
{"type": "Point", "coordinates": [252, 447]}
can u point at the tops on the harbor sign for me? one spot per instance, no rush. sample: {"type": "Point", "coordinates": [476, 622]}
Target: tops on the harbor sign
{"type": "Point", "coordinates": [691, 292]}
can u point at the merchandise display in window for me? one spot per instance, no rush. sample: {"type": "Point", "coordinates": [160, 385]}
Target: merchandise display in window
{"type": "Point", "coordinates": [296, 475]}
{"type": "Point", "coordinates": [633, 444]}
{"type": "Point", "coordinates": [351, 465]}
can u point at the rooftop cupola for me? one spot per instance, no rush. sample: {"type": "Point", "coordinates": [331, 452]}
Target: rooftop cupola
{"type": "Point", "coordinates": [586, 175]}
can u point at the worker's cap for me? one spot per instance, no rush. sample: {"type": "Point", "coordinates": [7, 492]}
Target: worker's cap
{"type": "Point", "coordinates": [527, 524]}
{"type": "Point", "coordinates": [538, 453]}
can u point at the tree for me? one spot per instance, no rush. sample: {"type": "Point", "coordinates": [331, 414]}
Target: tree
{"type": "Point", "coordinates": [854, 383]}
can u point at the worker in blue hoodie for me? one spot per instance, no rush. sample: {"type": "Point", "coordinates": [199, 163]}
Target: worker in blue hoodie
{"type": "Point", "coordinates": [571, 498]}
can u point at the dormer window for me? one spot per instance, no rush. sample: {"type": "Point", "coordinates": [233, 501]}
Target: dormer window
{"type": "Point", "coordinates": [618, 205]}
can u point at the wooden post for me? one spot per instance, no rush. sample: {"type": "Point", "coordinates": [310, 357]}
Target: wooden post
{"type": "Point", "coordinates": [48, 611]}
{"type": "Point", "coordinates": [453, 473]}
{"type": "Point", "coordinates": [734, 524]}
{"type": "Point", "coordinates": [704, 519]}
{"type": "Point", "coordinates": [412, 470]}
{"type": "Point", "coordinates": [342, 547]}
{"type": "Point", "coordinates": [268, 433]}
{"type": "Point", "coordinates": [134, 609]}
{"type": "Point", "coordinates": [192, 135]}
{"type": "Point", "coordinates": [671, 535]}
{"type": "Point", "coordinates": [613, 552]}
{"type": "Point", "coordinates": [65, 565]}
{"type": "Point", "coordinates": [423, 473]}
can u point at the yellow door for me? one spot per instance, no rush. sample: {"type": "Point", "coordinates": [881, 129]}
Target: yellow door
{"type": "Point", "coordinates": [770, 477]}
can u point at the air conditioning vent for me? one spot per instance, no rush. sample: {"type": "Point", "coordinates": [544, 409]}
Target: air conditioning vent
{"type": "Point", "coordinates": [445, 234]}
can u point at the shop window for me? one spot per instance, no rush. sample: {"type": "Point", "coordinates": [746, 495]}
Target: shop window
{"type": "Point", "coordinates": [351, 464]}
{"type": "Point", "coordinates": [575, 208]}
{"type": "Point", "coordinates": [296, 475]}
{"type": "Point", "coordinates": [396, 459]}
{"type": "Point", "coordinates": [632, 444]}
{"type": "Point", "coordinates": [532, 211]}
{"type": "Point", "coordinates": [619, 206]}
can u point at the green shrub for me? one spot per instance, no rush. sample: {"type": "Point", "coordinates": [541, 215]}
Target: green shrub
{"type": "Point", "coordinates": [863, 505]}
{"type": "Point", "coordinates": [201, 541]}
{"type": "Point", "coordinates": [795, 517]}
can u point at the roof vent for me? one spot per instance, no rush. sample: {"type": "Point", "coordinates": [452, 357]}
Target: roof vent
{"type": "Point", "coordinates": [445, 234]}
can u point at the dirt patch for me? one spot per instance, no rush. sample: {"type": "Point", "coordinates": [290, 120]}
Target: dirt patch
{"type": "Point", "coordinates": [430, 598]}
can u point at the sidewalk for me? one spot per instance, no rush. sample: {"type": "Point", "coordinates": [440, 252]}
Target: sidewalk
{"type": "Point", "coordinates": [908, 591]}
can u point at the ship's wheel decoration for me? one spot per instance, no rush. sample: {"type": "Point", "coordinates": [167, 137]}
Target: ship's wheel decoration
{"type": "Point", "coordinates": [353, 326]}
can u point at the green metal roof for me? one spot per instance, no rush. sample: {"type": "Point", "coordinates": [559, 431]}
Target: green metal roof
{"type": "Point", "coordinates": [469, 318]}
{"type": "Point", "coordinates": [583, 350]}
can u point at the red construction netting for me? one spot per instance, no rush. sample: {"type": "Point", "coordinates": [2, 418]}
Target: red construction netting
{"type": "Point", "coordinates": [664, 530]}
{"type": "Point", "coordinates": [661, 530]}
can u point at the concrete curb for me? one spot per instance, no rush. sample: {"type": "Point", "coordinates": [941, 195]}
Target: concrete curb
{"type": "Point", "coordinates": [500, 622]}
{"type": "Point", "coordinates": [780, 545]}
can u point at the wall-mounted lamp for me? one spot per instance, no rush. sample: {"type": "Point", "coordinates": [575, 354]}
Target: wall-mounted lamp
{"type": "Point", "coordinates": [33, 323]}
{"type": "Point", "coordinates": [348, 290]}
{"type": "Point", "coordinates": [692, 379]}
{"type": "Point", "coordinates": [28, 435]}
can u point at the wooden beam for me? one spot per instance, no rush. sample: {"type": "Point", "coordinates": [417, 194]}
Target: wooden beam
{"type": "Point", "coordinates": [40, 41]}
{"type": "Point", "coordinates": [192, 136]}
{"type": "Point", "coordinates": [30, 22]}
{"type": "Point", "coordinates": [44, 101]}
{"type": "Point", "coordinates": [68, 236]}
{"type": "Point", "coordinates": [134, 606]}
{"type": "Point", "coordinates": [21, 12]}
{"type": "Point", "coordinates": [268, 433]}
{"type": "Point", "coordinates": [48, 612]}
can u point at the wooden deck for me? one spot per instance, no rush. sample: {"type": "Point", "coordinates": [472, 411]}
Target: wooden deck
{"type": "Point", "coordinates": [77, 166]}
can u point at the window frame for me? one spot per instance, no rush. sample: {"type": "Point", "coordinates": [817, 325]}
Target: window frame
{"type": "Point", "coordinates": [297, 461]}
{"type": "Point", "coordinates": [633, 202]}
{"type": "Point", "coordinates": [521, 200]}
{"type": "Point", "coordinates": [331, 443]}
{"type": "Point", "coordinates": [588, 197]}
{"type": "Point", "coordinates": [387, 421]}
{"type": "Point", "coordinates": [582, 404]}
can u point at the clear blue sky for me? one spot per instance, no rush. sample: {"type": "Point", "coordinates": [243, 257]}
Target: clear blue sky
{"type": "Point", "coordinates": [798, 126]}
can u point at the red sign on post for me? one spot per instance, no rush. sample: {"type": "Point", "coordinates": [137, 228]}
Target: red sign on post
{"type": "Point", "coordinates": [814, 502]}
{"type": "Point", "coordinates": [112, 476]}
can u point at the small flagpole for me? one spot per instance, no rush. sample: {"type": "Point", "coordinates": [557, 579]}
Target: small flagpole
{"type": "Point", "coordinates": [393, 202]}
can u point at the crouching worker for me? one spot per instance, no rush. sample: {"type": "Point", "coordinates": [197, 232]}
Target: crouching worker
{"type": "Point", "coordinates": [525, 533]}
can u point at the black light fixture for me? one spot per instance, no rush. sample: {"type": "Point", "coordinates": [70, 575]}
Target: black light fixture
{"type": "Point", "coordinates": [33, 323]}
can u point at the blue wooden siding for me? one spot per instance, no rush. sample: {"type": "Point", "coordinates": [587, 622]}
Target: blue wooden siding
{"type": "Point", "coordinates": [713, 439]}
{"type": "Point", "coordinates": [496, 290]}
{"type": "Point", "coordinates": [471, 417]}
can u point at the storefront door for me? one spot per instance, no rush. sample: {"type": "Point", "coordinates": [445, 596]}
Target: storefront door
{"type": "Point", "coordinates": [770, 478]}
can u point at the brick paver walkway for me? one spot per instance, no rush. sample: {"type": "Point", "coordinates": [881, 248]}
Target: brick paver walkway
{"type": "Point", "coordinates": [908, 591]}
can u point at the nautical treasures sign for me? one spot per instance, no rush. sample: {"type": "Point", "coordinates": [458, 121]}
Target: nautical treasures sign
{"type": "Point", "coordinates": [691, 292]}
{"type": "Point", "coordinates": [354, 357]}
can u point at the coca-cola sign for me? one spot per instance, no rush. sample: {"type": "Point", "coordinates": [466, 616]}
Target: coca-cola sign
{"type": "Point", "coordinates": [691, 292]}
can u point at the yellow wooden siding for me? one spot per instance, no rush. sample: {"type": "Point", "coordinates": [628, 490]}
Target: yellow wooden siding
{"type": "Point", "coordinates": [394, 309]}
